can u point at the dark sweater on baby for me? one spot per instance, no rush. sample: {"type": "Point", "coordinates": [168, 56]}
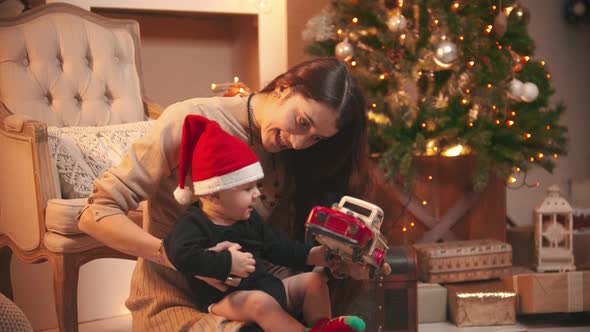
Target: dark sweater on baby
{"type": "Point", "coordinates": [187, 249]}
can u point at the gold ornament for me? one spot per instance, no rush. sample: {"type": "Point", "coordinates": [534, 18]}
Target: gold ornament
{"type": "Point", "coordinates": [473, 113]}
{"type": "Point", "coordinates": [344, 50]}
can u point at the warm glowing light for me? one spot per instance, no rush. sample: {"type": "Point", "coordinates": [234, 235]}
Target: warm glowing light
{"type": "Point", "coordinates": [464, 101]}
{"type": "Point", "coordinates": [510, 123]}
{"type": "Point", "coordinates": [532, 159]}
{"type": "Point", "coordinates": [548, 76]}
{"type": "Point", "coordinates": [436, 22]}
{"type": "Point", "coordinates": [511, 179]}
{"type": "Point", "coordinates": [470, 124]}
{"type": "Point", "coordinates": [494, 107]}
{"type": "Point", "coordinates": [412, 224]}
{"type": "Point", "coordinates": [518, 170]}
{"type": "Point", "coordinates": [471, 63]}
{"type": "Point", "coordinates": [213, 86]}
{"type": "Point", "coordinates": [540, 155]}
{"type": "Point", "coordinates": [430, 178]}
{"type": "Point", "coordinates": [499, 46]}
{"type": "Point", "coordinates": [404, 229]}
{"type": "Point", "coordinates": [555, 155]}
{"type": "Point", "coordinates": [498, 122]}
{"type": "Point", "coordinates": [467, 91]}
{"type": "Point", "coordinates": [526, 58]}
{"type": "Point", "coordinates": [241, 90]}
{"type": "Point", "coordinates": [236, 79]}
{"type": "Point", "coordinates": [527, 136]}
{"type": "Point", "coordinates": [339, 31]}
{"type": "Point", "coordinates": [423, 125]}
{"type": "Point", "coordinates": [461, 38]}
{"type": "Point", "coordinates": [508, 10]}
{"type": "Point", "coordinates": [355, 20]}
{"type": "Point", "coordinates": [378, 118]}
{"type": "Point", "coordinates": [513, 113]}
{"type": "Point", "coordinates": [542, 62]}
{"type": "Point", "coordinates": [420, 73]}
{"type": "Point", "coordinates": [486, 294]}
{"type": "Point", "coordinates": [453, 151]}
{"type": "Point", "coordinates": [353, 63]}
{"type": "Point", "coordinates": [489, 28]}
{"type": "Point", "coordinates": [382, 76]}
{"type": "Point", "coordinates": [489, 86]}
{"type": "Point", "coordinates": [494, 7]}
{"type": "Point", "coordinates": [374, 105]}
{"type": "Point", "coordinates": [455, 6]}
{"type": "Point", "coordinates": [403, 36]}
{"type": "Point", "coordinates": [548, 127]}
{"type": "Point", "coordinates": [424, 203]}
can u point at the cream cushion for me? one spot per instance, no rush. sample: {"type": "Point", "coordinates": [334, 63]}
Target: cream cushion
{"type": "Point", "coordinates": [82, 154]}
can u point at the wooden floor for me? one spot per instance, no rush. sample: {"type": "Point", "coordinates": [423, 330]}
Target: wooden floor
{"type": "Point", "coordinates": [542, 323]}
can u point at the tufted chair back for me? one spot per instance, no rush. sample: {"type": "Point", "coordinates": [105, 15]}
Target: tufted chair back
{"type": "Point", "coordinates": [61, 68]}
{"type": "Point", "coordinates": [65, 71]}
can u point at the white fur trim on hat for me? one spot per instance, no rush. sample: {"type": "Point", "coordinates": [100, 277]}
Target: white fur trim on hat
{"type": "Point", "coordinates": [236, 178]}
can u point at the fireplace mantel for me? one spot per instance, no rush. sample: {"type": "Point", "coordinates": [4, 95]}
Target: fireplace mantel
{"type": "Point", "coordinates": [272, 25]}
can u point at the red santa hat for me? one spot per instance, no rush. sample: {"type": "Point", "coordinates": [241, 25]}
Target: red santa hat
{"type": "Point", "coordinates": [217, 160]}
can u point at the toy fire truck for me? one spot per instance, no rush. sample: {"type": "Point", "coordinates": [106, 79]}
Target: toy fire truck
{"type": "Point", "coordinates": [351, 230]}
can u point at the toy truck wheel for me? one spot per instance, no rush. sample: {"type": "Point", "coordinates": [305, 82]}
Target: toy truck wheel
{"type": "Point", "coordinates": [357, 255]}
{"type": "Point", "coordinates": [372, 272]}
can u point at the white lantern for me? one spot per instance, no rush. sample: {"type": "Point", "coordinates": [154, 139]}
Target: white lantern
{"type": "Point", "coordinates": [554, 233]}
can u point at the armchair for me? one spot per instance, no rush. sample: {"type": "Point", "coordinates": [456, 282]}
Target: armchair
{"type": "Point", "coordinates": [60, 67]}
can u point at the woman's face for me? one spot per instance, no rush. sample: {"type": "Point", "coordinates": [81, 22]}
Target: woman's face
{"type": "Point", "coordinates": [294, 122]}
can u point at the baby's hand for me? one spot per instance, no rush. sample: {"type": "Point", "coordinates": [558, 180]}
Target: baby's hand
{"type": "Point", "coordinates": [242, 263]}
{"type": "Point", "coordinates": [225, 245]}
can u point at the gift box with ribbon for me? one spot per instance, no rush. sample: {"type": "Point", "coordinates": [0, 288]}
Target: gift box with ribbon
{"type": "Point", "coordinates": [550, 292]}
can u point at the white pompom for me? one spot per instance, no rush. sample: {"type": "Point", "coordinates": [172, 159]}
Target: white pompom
{"type": "Point", "coordinates": [515, 88]}
{"type": "Point", "coordinates": [530, 92]}
{"type": "Point", "coordinates": [183, 196]}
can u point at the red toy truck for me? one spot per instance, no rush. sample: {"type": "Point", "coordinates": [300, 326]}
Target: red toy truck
{"type": "Point", "coordinates": [350, 229]}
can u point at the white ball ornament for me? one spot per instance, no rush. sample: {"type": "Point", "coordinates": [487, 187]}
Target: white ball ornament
{"type": "Point", "coordinates": [396, 23]}
{"type": "Point", "coordinates": [530, 92]}
{"type": "Point", "coordinates": [445, 54]}
{"type": "Point", "coordinates": [515, 88]}
{"type": "Point", "coordinates": [344, 50]}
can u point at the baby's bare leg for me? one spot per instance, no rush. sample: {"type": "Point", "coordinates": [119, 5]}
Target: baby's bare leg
{"type": "Point", "coordinates": [309, 293]}
{"type": "Point", "coordinates": [259, 307]}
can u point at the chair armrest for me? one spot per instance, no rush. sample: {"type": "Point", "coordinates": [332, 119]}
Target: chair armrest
{"type": "Point", "coordinates": [152, 109]}
{"type": "Point", "coordinates": [28, 178]}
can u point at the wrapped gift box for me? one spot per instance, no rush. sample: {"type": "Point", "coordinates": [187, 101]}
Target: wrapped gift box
{"type": "Point", "coordinates": [432, 303]}
{"type": "Point", "coordinates": [463, 260]}
{"type": "Point", "coordinates": [522, 240]}
{"type": "Point", "coordinates": [550, 292]}
{"type": "Point", "coordinates": [481, 304]}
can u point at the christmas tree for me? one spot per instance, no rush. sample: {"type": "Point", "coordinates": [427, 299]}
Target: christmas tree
{"type": "Point", "coordinates": [446, 77]}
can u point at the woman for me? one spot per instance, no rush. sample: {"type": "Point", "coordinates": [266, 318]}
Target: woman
{"type": "Point", "coordinates": [307, 127]}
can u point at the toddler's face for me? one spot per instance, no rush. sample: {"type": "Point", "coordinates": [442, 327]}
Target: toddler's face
{"type": "Point", "coordinates": [237, 203]}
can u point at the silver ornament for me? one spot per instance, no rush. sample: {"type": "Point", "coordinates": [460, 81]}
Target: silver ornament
{"type": "Point", "coordinates": [530, 92]}
{"type": "Point", "coordinates": [344, 50]}
{"type": "Point", "coordinates": [445, 53]}
{"type": "Point", "coordinates": [396, 23]}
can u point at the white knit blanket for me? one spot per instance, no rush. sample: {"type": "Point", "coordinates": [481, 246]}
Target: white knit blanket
{"type": "Point", "coordinates": [81, 154]}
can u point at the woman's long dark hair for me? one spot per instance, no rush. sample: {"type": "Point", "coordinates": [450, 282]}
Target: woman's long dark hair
{"type": "Point", "coordinates": [330, 168]}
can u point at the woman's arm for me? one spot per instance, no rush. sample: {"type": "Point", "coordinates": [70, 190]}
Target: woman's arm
{"type": "Point", "coordinates": [137, 178]}
{"type": "Point", "coordinates": [120, 233]}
